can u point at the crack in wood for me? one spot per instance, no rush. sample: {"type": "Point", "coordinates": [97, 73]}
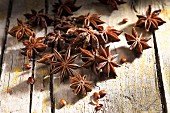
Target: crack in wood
{"type": "Point", "coordinates": [4, 39]}
{"type": "Point", "coordinates": [32, 85]}
{"type": "Point", "coordinates": [159, 76]}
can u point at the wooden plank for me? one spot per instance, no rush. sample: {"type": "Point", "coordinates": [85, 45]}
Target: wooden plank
{"type": "Point", "coordinates": [14, 77]}
{"type": "Point", "coordinates": [135, 89]}
{"type": "Point", "coordinates": [41, 87]}
{"type": "Point", "coordinates": [3, 17]}
{"type": "Point", "coordinates": [163, 40]}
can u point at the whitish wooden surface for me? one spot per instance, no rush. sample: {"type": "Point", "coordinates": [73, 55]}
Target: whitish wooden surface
{"type": "Point", "coordinates": [135, 90]}
{"type": "Point", "coordinates": [163, 41]}
{"type": "Point", "coordinates": [3, 15]}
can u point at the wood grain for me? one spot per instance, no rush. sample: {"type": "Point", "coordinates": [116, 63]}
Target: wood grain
{"type": "Point", "coordinates": [163, 40]}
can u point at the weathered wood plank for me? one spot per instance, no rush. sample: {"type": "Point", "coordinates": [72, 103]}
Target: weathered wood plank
{"type": "Point", "coordinates": [135, 89]}
{"type": "Point", "coordinates": [13, 79]}
{"type": "Point", "coordinates": [3, 16]}
{"type": "Point", "coordinates": [163, 40]}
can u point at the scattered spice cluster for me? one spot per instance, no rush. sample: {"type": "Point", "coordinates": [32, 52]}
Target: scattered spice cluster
{"type": "Point", "coordinates": [83, 37]}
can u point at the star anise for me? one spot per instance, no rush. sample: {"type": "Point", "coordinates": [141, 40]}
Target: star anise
{"type": "Point", "coordinates": [90, 20]}
{"type": "Point", "coordinates": [90, 60]}
{"type": "Point", "coordinates": [21, 30]}
{"type": "Point", "coordinates": [56, 40]}
{"type": "Point", "coordinates": [108, 35]}
{"type": "Point", "coordinates": [33, 45]}
{"type": "Point", "coordinates": [85, 38]}
{"type": "Point", "coordinates": [46, 59]}
{"type": "Point", "coordinates": [137, 42]}
{"type": "Point", "coordinates": [151, 21]}
{"type": "Point", "coordinates": [65, 9]}
{"type": "Point", "coordinates": [64, 23]}
{"type": "Point", "coordinates": [113, 3]}
{"type": "Point", "coordinates": [80, 84]}
{"type": "Point", "coordinates": [63, 65]}
{"type": "Point", "coordinates": [38, 18]}
{"type": "Point", "coordinates": [106, 61]}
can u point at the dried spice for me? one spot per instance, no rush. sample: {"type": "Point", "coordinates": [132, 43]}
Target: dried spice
{"type": "Point", "coordinates": [64, 65]}
{"type": "Point", "coordinates": [56, 40]}
{"type": "Point", "coordinates": [46, 59]}
{"type": "Point", "coordinates": [113, 3]}
{"type": "Point", "coordinates": [90, 20]}
{"type": "Point", "coordinates": [62, 102]}
{"type": "Point", "coordinates": [90, 60]}
{"type": "Point", "coordinates": [27, 66]}
{"type": "Point", "coordinates": [123, 60]}
{"type": "Point", "coordinates": [124, 20]}
{"type": "Point", "coordinates": [35, 45]}
{"type": "Point", "coordinates": [21, 30]}
{"type": "Point", "coordinates": [96, 95]}
{"type": "Point", "coordinates": [109, 35]}
{"type": "Point", "coordinates": [85, 38]}
{"type": "Point", "coordinates": [38, 18]}
{"type": "Point", "coordinates": [31, 80]}
{"type": "Point", "coordinates": [106, 61]}
{"type": "Point", "coordinates": [151, 21]}
{"type": "Point", "coordinates": [65, 9]}
{"type": "Point", "coordinates": [137, 42]}
{"type": "Point", "coordinates": [98, 107]}
{"type": "Point", "coordinates": [63, 23]}
{"type": "Point", "coordinates": [102, 93]}
{"type": "Point", "coordinates": [80, 84]}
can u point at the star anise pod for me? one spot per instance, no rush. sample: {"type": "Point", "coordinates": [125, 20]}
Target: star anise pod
{"type": "Point", "coordinates": [33, 45]}
{"type": "Point", "coordinates": [65, 8]}
{"type": "Point", "coordinates": [90, 20]}
{"type": "Point", "coordinates": [106, 61]}
{"type": "Point", "coordinates": [63, 65]}
{"type": "Point", "coordinates": [108, 35]}
{"type": "Point", "coordinates": [85, 38]}
{"type": "Point", "coordinates": [21, 30]}
{"type": "Point", "coordinates": [64, 23]}
{"type": "Point", "coordinates": [38, 18]}
{"type": "Point", "coordinates": [46, 59]}
{"type": "Point", "coordinates": [113, 3]}
{"type": "Point", "coordinates": [56, 40]}
{"type": "Point", "coordinates": [137, 42]}
{"type": "Point", "coordinates": [80, 84]}
{"type": "Point", "coordinates": [90, 60]}
{"type": "Point", "coordinates": [151, 21]}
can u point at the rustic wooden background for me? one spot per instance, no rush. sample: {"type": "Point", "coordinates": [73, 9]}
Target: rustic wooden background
{"type": "Point", "coordinates": [142, 85]}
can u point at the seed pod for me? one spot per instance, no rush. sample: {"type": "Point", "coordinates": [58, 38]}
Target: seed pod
{"type": "Point", "coordinates": [31, 80]}
{"type": "Point", "coordinates": [102, 93]}
{"type": "Point", "coordinates": [123, 60]}
{"type": "Point", "coordinates": [96, 95]}
{"type": "Point", "coordinates": [27, 66]}
{"type": "Point", "coordinates": [62, 102]}
{"type": "Point", "coordinates": [124, 20]}
{"type": "Point", "coordinates": [98, 107]}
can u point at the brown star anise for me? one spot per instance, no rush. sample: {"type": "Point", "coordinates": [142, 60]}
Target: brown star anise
{"type": "Point", "coordinates": [80, 84]}
{"type": "Point", "coordinates": [151, 21]}
{"type": "Point", "coordinates": [63, 65]}
{"type": "Point", "coordinates": [21, 30]}
{"type": "Point", "coordinates": [38, 18]}
{"type": "Point", "coordinates": [106, 61]}
{"type": "Point", "coordinates": [33, 45]}
{"type": "Point", "coordinates": [113, 3]}
{"type": "Point", "coordinates": [56, 40]}
{"type": "Point", "coordinates": [64, 23]}
{"type": "Point", "coordinates": [90, 20]}
{"type": "Point", "coordinates": [46, 59]}
{"type": "Point", "coordinates": [108, 35]}
{"type": "Point", "coordinates": [65, 9]}
{"type": "Point", "coordinates": [137, 42]}
{"type": "Point", "coordinates": [90, 60]}
{"type": "Point", "coordinates": [85, 38]}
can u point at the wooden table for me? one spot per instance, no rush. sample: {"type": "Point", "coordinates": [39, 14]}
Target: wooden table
{"type": "Point", "coordinates": [142, 85]}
